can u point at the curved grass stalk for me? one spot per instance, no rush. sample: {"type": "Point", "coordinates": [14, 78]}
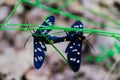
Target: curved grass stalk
{"type": "Point", "coordinates": [105, 17]}
{"type": "Point", "coordinates": [85, 30]}
{"type": "Point", "coordinates": [10, 15]}
{"type": "Point", "coordinates": [57, 50]}
{"type": "Point", "coordinates": [62, 13]}
{"type": "Point", "coordinates": [18, 24]}
{"type": "Point", "coordinates": [58, 9]}
{"type": "Point", "coordinates": [110, 71]}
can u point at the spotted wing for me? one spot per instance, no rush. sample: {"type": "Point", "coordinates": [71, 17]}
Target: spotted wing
{"type": "Point", "coordinates": [39, 53]}
{"type": "Point", "coordinates": [73, 51]}
{"type": "Point", "coordinates": [48, 22]}
{"type": "Point", "coordinates": [74, 48]}
{"type": "Point", "coordinates": [77, 24]}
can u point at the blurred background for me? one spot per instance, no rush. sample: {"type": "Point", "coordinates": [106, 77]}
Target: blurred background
{"type": "Point", "coordinates": [16, 62]}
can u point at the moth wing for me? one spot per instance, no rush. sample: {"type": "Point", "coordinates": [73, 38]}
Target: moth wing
{"type": "Point", "coordinates": [48, 22]}
{"type": "Point", "coordinates": [39, 53]}
{"type": "Point", "coordinates": [77, 24]}
{"type": "Point", "coordinates": [74, 50]}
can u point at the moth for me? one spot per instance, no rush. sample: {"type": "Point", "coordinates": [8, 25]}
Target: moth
{"type": "Point", "coordinates": [41, 38]}
{"type": "Point", "coordinates": [74, 48]}
{"type": "Point", "coordinates": [40, 41]}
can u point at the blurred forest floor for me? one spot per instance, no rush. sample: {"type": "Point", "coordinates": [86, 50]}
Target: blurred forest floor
{"type": "Point", "coordinates": [16, 62]}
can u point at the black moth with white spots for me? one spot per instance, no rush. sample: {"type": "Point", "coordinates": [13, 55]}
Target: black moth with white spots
{"type": "Point", "coordinates": [39, 42]}
{"type": "Point", "coordinates": [74, 48]}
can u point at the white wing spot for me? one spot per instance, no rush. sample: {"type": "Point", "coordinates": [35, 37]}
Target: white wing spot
{"type": "Point", "coordinates": [40, 58]}
{"type": "Point", "coordinates": [36, 59]}
{"type": "Point", "coordinates": [76, 26]}
{"type": "Point", "coordinates": [73, 43]}
{"type": "Point", "coordinates": [78, 61]}
{"type": "Point", "coordinates": [71, 59]}
{"type": "Point", "coordinates": [47, 20]}
{"type": "Point", "coordinates": [78, 53]}
{"type": "Point", "coordinates": [74, 50]}
{"type": "Point", "coordinates": [43, 46]}
{"type": "Point", "coordinates": [71, 46]}
{"type": "Point", "coordinates": [40, 42]}
{"type": "Point", "coordinates": [50, 23]}
{"type": "Point", "coordinates": [35, 42]}
{"type": "Point", "coordinates": [78, 44]}
{"type": "Point", "coordinates": [44, 51]}
{"type": "Point", "coordinates": [44, 31]}
{"type": "Point", "coordinates": [35, 50]}
{"type": "Point", "coordinates": [81, 26]}
{"type": "Point", "coordinates": [74, 59]}
{"type": "Point", "coordinates": [39, 49]}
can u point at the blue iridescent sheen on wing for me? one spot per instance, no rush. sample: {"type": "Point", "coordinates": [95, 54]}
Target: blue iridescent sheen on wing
{"type": "Point", "coordinates": [77, 24]}
{"type": "Point", "coordinates": [39, 42]}
{"type": "Point", "coordinates": [73, 51]}
{"type": "Point", "coordinates": [71, 35]}
{"type": "Point", "coordinates": [48, 22]}
{"type": "Point", "coordinates": [74, 48]}
{"type": "Point", "coordinates": [39, 53]}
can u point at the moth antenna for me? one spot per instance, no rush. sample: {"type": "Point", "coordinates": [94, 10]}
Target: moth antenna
{"type": "Point", "coordinates": [66, 33]}
{"type": "Point", "coordinates": [29, 27]}
{"type": "Point", "coordinates": [26, 41]}
{"type": "Point", "coordinates": [90, 44]}
{"type": "Point", "coordinates": [89, 35]}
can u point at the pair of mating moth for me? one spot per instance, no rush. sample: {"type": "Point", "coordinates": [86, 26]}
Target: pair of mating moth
{"type": "Point", "coordinates": [73, 50]}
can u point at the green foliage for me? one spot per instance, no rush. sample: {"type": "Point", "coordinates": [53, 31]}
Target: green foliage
{"type": "Point", "coordinates": [106, 54]}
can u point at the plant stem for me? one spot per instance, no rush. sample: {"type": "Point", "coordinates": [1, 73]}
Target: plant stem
{"type": "Point", "coordinates": [10, 15]}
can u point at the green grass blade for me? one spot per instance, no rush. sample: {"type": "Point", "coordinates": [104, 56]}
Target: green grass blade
{"type": "Point", "coordinates": [10, 15]}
